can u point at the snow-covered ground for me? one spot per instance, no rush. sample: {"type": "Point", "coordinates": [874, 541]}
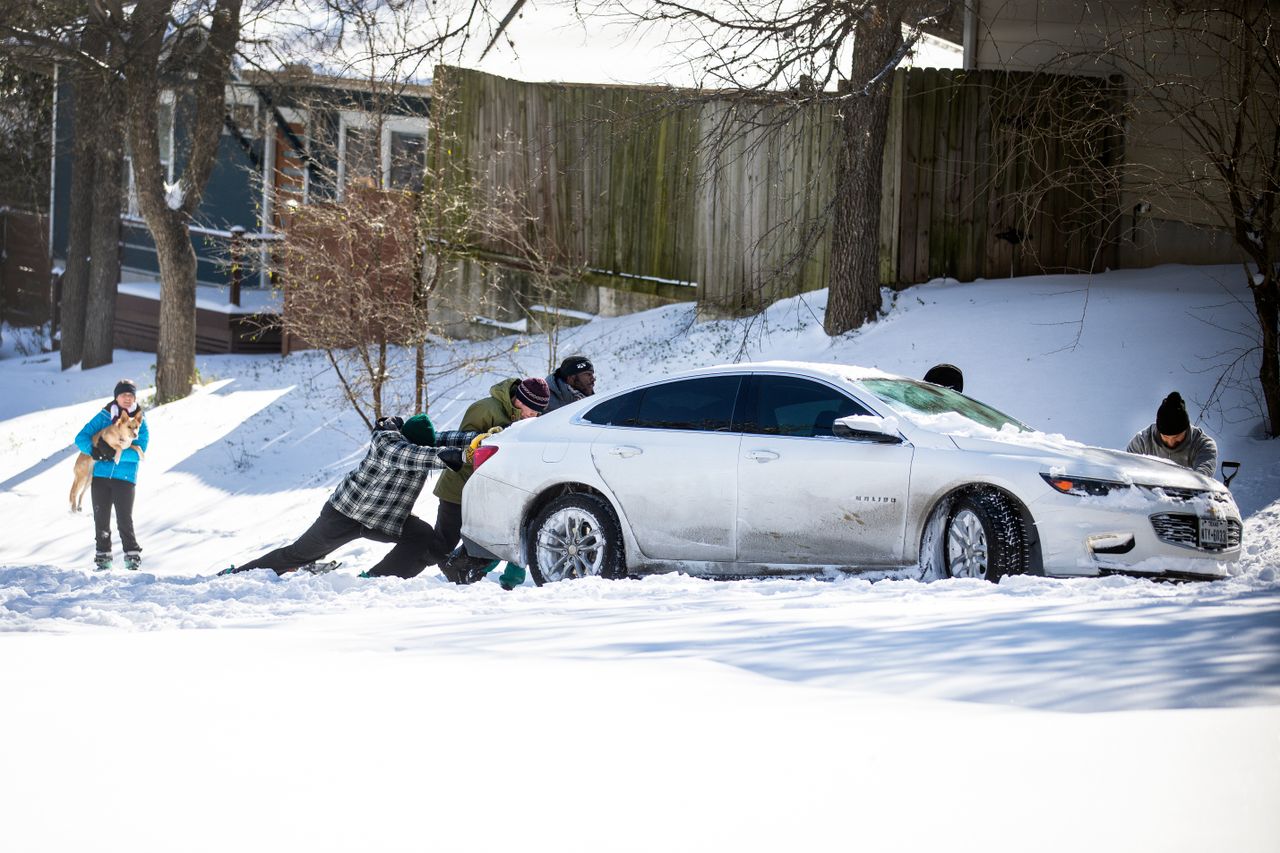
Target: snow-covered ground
{"type": "Point", "coordinates": [335, 713]}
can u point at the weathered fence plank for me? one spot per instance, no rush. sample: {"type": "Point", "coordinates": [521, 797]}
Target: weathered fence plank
{"type": "Point", "coordinates": [732, 193]}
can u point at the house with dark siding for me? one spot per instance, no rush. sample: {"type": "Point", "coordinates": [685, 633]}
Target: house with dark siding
{"type": "Point", "coordinates": [289, 138]}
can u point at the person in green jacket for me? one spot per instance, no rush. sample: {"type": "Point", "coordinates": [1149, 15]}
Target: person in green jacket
{"type": "Point", "coordinates": [509, 401]}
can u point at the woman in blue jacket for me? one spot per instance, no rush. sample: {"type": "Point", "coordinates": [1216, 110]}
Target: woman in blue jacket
{"type": "Point", "coordinates": [113, 482]}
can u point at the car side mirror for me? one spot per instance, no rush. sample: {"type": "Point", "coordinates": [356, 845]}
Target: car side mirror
{"type": "Point", "coordinates": [867, 428]}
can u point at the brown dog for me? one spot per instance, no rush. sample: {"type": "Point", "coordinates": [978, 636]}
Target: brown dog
{"type": "Point", "coordinates": [119, 435]}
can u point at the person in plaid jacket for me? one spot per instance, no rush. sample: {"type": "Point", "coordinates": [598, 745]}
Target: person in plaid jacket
{"type": "Point", "coordinates": [375, 501]}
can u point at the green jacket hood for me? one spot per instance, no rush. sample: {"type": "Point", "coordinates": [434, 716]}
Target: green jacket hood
{"type": "Point", "coordinates": [502, 393]}
{"type": "Point", "coordinates": [495, 410]}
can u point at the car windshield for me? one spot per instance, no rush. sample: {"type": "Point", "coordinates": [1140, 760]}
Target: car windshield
{"type": "Point", "coordinates": [910, 396]}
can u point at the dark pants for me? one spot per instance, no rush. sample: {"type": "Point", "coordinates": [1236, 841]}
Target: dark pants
{"type": "Point", "coordinates": [105, 494]}
{"type": "Point", "coordinates": [417, 546]}
{"type": "Point", "coordinates": [449, 525]}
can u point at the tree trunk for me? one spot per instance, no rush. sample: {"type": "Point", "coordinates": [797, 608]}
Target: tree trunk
{"type": "Point", "coordinates": [1266, 298]}
{"type": "Point", "coordinates": [75, 281]}
{"type": "Point", "coordinates": [167, 220]}
{"type": "Point", "coordinates": [419, 379]}
{"type": "Point", "coordinates": [381, 378]}
{"type": "Point", "coordinates": [854, 295]}
{"type": "Point", "coordinates": [104, 248]}
{"type": "Point", "coordinates": [176, 349]}
{"type": "Point", "coordinates": [87, 86]}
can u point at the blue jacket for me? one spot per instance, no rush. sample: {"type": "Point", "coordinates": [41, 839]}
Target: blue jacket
{"type": "Point", "coordinates": [127, 468]}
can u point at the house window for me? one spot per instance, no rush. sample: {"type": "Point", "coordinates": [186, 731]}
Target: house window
{"type": "Point", "coordinates": [388, 152]}
{"type": "Point", "coordinates": [245, 119]}
{"type": "Point", "coordinates": [408, 161]}
{"type": "Point", "coordinates": [360, 160]}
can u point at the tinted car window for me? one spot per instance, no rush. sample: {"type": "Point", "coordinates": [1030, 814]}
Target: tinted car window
{"type": "Point", "coordinates": [694, 404]}
{"type": "Point", "coordinates": [617, 411]}
{"type": "Point", "coordinates": [788, 405]}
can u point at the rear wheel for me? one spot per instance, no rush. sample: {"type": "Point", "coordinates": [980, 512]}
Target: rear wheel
{"type": "Point", "coordinates": [576, 535]}
{"type": "Point", "coordinates": [986, 537]}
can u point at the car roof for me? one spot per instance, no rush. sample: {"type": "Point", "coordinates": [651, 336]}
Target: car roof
{"type": "Point", "coordinates": [847, 372]}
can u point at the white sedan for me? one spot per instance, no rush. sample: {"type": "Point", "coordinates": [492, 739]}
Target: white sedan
{"type": "Point", "coordinates": [799, 468]}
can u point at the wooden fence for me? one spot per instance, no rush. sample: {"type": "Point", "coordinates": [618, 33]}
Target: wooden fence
{"type": "Point", "coordinates": [987, 175]}
{"type": "Point", "coordinates": [665, 187]}
{"type": "Point", "coordinates": [24, 268]}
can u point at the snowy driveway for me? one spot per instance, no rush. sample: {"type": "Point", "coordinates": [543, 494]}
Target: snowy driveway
{"type": "Point", "coordinates": [1079, 645]}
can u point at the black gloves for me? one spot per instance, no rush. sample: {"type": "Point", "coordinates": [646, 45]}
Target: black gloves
{"type": "Point", "coordinates": [451, 457]}
{"type": "Point", "coordinates": [388, 423]}
{"type": "Point", "coordinates": [103, 452]}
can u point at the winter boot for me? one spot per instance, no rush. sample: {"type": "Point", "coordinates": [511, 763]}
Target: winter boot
{"type": "Point", "coordinates": [460, 567]}
{"type": "Point", "coordinates": [320, 568]}
{"type": "Point", "coordinates": [478, 569]}
{"type": "Point", "coordinates": [132, 560]}
{"type": "Point", "coordinates": [101, 562]}
{"type": "Point", "coordinates": [512, 576]}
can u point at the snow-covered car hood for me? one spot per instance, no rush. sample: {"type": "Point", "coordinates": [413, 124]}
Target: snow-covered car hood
{"type": "Point", "coordinates": [1065, 457]}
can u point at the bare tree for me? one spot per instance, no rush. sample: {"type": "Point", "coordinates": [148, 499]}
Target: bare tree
{"type": "Point", "coordinates": [813, 51]}
{"type": "Point", "coordinates": [85, 80]}
{"type": "Point", "coordinates": [26, 99]}
{"type": "Point", "coordinates": [101, 109]}
{"type": "Point", "coordinates": [137, 51]}
{"type": "Point", "coordinates": [62, 32]}
{"type": "Point", "coordinates": [1232, 126]}
{"type": "Point", "coordinates": [362, 261]}
{"type": "Point", "coordinates": [1197, 100]}
{"type": "Point", "coordinates": [351, 270]}
{"type": "Point", "coordinates": [190, 48]}
{"type": "Point", "coordinates": [507, 221]}
{"type": "Point", "coordinates": [121, 56]}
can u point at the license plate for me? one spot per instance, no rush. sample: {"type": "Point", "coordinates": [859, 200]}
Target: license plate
{"type": "Point", "coordinates": [1214, 531]}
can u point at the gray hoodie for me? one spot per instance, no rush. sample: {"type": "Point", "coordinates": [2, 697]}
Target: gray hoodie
{"type": "Point", "coordinates": [1197, 451]}
{"type": "Point", "coordinates": [562, 394]}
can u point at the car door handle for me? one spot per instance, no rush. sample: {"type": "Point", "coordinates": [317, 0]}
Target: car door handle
{"type": "Point", "coordinates": [762, 455]}
{"type": "Point", "coordinates": [625, 451]}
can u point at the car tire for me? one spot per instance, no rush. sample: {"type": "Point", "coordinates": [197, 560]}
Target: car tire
{"type": "Point", "coordinates": [576, 535]}
{"type": "Point", "coordinates": [985, 537]}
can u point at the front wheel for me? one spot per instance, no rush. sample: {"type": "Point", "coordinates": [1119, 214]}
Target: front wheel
{"type": "Point", "coordinates": [986, 538]}
{"type": "Point", "coordinates": [576, 535]}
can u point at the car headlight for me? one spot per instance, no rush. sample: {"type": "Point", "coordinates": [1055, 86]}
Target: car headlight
{"type": "Point", "coordinates": [1181, 494]}
{"type": "Point", "coordinates": [1082, 486]}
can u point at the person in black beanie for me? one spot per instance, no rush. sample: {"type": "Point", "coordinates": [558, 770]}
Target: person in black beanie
{"type": "Point", "coordinates": [114, 483]}
{"type": "Point", "coordinates": [946, 375]}
{"type": "Point", "coordinates": [1173, 437]}
{"type": "Point", "coordinates": [574, 379]}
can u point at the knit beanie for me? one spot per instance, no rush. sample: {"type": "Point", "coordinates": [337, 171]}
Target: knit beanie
{"type": "Point", "coordinates": [573, 365]}
{"type": "Point", "coordinates": [1171, 417]}
{"type": "Point", "coordinates": [947, 375]}
{"type": "Point", "coordinates": [125, 385]}
{"type": "Point", "coordinates": [534, 393]}
{"type": "Point", "coordinates": [420, 431]}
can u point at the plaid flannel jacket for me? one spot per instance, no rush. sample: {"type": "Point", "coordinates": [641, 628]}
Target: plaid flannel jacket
{"type": "Point", "coordinates": [380, 493]}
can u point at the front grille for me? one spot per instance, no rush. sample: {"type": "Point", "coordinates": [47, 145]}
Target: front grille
{"type": "Point", "coordinates": [1184, 530]}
